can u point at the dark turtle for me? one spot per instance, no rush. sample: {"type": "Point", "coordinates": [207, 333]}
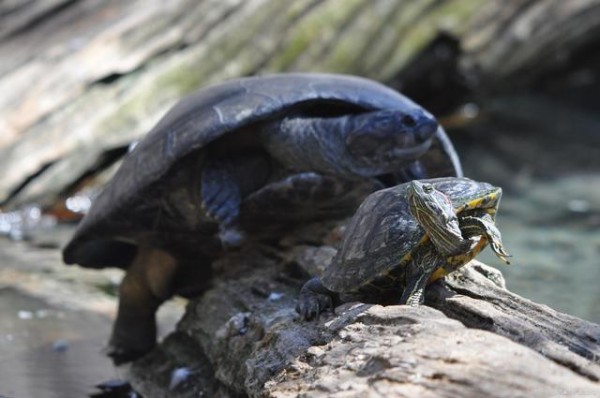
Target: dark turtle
{"type": "Point", "coordinates": [403, 237]}
{"type": "Point", "coordinates": [234, 158]}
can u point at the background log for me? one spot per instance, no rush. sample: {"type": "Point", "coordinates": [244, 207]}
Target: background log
{"type": "Point", "coordinates": [80, 78]}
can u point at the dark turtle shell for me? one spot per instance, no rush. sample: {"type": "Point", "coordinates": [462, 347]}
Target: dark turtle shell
{"type": "Point", "coordinates": [215, 112]}
{"type": "Point", "coordinates": [383, 234]}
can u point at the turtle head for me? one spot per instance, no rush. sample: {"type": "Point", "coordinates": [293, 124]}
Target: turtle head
{"type": "Point", "coordinates": [385, 141]}
{"type": "Point", "coordinates": [434, 212]}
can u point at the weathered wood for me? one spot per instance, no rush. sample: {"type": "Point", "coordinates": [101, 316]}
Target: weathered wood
{"type": "Point", "coordinates": [418, 352]}
{"type": "Point", "coordinates": [473, 298]}
{"type": "Point", "coordinates": [92, 75]}
{"type": "Point", "coordinates": [498, 345]}
{"type": "Point", "coordinates": [509, 43]}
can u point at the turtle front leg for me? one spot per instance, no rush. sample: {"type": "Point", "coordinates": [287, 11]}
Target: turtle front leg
{"type": "Point", "coordinates": [314, 298]}
{"type": "Point", "coordinates": [146, 285]}
{"type": "Point", "coordinates": [224, 183]}
{"type": "Point", "coordinates": [418, 272]}
{"type": "Point", "coordinates": [307, 196]}
{"type": "Point", "coordinates": [484, 225]}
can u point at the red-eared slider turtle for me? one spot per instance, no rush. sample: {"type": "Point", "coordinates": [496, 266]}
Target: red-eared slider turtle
{"type": "Point", "coordinates": [235, 157]}
{"type": "Point", "coordinates": [403, 237]}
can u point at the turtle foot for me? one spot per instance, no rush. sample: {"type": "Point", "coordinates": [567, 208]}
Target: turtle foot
{"type": "Point", "coordinates": [121, 355]}
{"type": "Point", "coordinates": [311, 305]}
{"type": "Point", "coordinates": [133, 336]}
{"type": "Point", "coordinates": [499, 250]}
{"type": "Point", "coordinates": [314, 299]}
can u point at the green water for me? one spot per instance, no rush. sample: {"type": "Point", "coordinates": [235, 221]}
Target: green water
{"type": "Point", "coordinates": [553, 231]}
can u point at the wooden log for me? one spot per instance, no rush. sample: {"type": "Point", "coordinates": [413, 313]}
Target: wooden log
{"type": "Point", "coordinates": [112, 79]}
{"type": "Point", "coordinates": [473, 338]}
{"type": "Point", "coordinates": [471, 297]}
{"type": "Point", "coordinates": [95, 75]}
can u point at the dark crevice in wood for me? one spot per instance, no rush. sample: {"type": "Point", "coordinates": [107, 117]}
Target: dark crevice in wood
{"type": "Point", "coordinates": [26, 181]}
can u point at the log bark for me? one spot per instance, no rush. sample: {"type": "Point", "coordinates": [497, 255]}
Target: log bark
{"type": "Point", "coordinates": [472, 338]}
{"type": "Point", "coordinates": [80, 78]}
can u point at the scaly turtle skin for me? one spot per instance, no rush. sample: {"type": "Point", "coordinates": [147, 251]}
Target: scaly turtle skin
{"type": "Point", "coordinates": [403, 237]}
{"type": "Point", "coordinates": [236, 159]}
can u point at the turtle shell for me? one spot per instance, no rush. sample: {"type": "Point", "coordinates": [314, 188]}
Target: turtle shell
{"type": "Point", "coordinates": [383, 234]}
{"type": "Point", "coordinates": [215, 112]}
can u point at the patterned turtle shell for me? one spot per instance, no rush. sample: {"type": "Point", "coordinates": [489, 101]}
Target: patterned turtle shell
{"type": "Point", "coordinates": [383, 234]}
{"type": "Point", "coordinates": [218, 111]}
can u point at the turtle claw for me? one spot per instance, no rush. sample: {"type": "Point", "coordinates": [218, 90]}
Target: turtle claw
{"type": "Point", "coordinates": [499, 250]}
{"type": "Point", "coordinates": [486, 226]}
{"type": "Point", "coordinates": [314, 299]}
{"type": "Point", "coordinates": [311, 305]}
{"type": "Point", "coordinates": [494, 238]}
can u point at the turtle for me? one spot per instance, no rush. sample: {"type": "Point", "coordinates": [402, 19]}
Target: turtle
{"type": "Point", "coordinates": [402, 238]}
{"type": "Point", "coordinates": [230, 161]}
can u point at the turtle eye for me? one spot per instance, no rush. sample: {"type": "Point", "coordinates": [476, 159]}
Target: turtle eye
{"type": "Point", "coordinates": [427, 188]}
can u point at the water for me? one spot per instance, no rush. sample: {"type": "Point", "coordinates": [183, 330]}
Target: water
{"type": "Point", "coordinates": [553, 231]}
{"type": "Point", "coordinates": [49, 351]}
{"type": "Point", "coordinates": [55, 321]}
{"type": "Point", "coordinates": [547, 160]}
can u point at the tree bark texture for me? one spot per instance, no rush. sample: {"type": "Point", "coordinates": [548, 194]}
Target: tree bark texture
{"type": "Point", "coordinates": [473, 338]}
{"type": "Point", "coordinates": [80, 78]}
